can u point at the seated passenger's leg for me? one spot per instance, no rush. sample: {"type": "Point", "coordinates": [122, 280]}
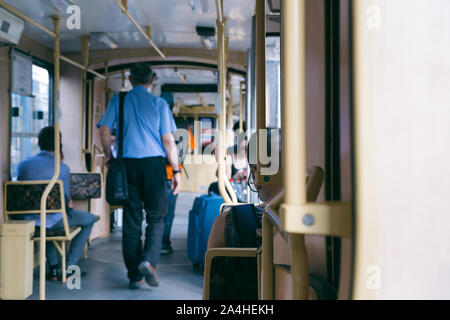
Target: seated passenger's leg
{"type": "Point", "coordinates": [85, 220]}
{"type": "Point", "coordinates": [52, 253]}
{"type": "Point", "coordinates": [53, 260]}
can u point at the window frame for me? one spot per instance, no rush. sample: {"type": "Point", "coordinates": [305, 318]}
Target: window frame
{"type": "Point", "coordinates": [50, 69]}
{"type": "Point", "coordinates": [279, 113]}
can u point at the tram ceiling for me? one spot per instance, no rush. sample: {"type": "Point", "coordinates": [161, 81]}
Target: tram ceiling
{"type": "Point", "coordinates": [173, 23]}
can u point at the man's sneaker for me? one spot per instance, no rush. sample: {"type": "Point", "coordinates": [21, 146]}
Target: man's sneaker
{"type": "Point", "coordinates": [134, 285]}
{"type": "Point", "coordinates": [166, 249]}
{"type": "Point", "coordinates": [149, 272]}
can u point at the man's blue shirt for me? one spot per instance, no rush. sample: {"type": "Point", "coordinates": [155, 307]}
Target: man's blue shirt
{"type": "Point", "coordinates": [146, 119]}
{"type": "Point", "coordinates": [42, 167]}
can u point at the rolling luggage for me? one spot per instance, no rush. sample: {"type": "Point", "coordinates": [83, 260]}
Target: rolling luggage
{"type": "Point", "coordinates": [201, 218]}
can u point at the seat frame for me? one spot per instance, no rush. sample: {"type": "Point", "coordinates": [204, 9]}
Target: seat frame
{"type": "Point", "coordinates": [314, 180]}
{"type": "Point", "coordinates": [58, 241]}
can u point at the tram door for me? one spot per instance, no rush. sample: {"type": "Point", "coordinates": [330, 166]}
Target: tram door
{"type": "Point", "coordinates": [401, 115]}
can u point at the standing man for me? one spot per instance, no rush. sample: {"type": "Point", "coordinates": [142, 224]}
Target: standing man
{"type": "Point", "coordinates": [168, 220]}
{"type": "Point", "coordinates": [147, 141]}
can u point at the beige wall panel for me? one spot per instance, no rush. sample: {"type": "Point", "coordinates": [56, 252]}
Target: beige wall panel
{"type": "Point", "coordinates": [202, 172]}
{"type": "Point", "coordinates": [72, 117]}
{"type": "Point", "coordinates": [316, 255]}
{"type": "Point", "coordinates": [403, 172]}
{"type": "Point", "coordinates": [99, 206]}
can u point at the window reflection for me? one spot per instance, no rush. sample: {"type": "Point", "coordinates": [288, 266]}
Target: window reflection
{"type": "Point", "coordinates": [28, 116]}
{"type": "Point", "coordinates": [273, 99]}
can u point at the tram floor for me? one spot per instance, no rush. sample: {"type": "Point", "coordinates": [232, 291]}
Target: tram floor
{"type": "Point", "coordinates": [106, 277]}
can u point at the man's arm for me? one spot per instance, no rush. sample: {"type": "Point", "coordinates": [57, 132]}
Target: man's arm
{"type": "Point", "coordinates": [172, 155]}
{"type": "Point", "coordinates": [105, 137]}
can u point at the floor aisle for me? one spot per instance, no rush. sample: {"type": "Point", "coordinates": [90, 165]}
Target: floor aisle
{"type": "Point", "coordinates": [106, 273]}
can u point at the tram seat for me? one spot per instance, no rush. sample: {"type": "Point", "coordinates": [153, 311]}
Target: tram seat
{"type": "Point", "coordinates": [24, 197]}
{"type": "Point", "coordinates": [314, 179]}
{"type": "Point", "coordinates": [84, 187]}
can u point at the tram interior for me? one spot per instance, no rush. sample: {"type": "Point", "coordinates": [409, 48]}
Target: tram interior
{"type": "Point", "coordinates": [354, 66]}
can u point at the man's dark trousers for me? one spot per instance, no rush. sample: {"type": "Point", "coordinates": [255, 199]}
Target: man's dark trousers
{"type": "Point", "coordinates": [146, 185]}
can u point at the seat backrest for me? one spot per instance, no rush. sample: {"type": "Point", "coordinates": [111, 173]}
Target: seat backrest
{"type": "Point", "coordinates": [24, 197]}
{"type": "Point", "coordinates": [314, 180]}
{"type": "Point", "coordinates": [84, 186]}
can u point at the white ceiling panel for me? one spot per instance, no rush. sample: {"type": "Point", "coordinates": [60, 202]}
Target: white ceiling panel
{"type": "Point", "coordinates": [173, 22]}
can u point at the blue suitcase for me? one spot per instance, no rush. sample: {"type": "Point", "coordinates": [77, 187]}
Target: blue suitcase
{"type": "Point", "coordinates": [201, 218]}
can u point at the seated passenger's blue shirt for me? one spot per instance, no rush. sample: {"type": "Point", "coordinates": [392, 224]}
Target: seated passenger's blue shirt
{"type": "Point", "coordinates": [42, 167]}
{"type": "Point", "coordinates": [146, 119]}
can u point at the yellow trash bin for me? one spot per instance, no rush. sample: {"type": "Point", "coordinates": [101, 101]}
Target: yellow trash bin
{"type": "Point", "coordinates": [16, 260]}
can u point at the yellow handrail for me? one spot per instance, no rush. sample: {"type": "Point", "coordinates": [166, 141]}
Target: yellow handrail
{"type": "Point", "coordinates": [57, 156]}
{"type": "Point", "coordinates": [124, 7]}
{"type": "Point", "coordinates": [223, 182]}
{"type": "Point", "coordinates": [294, 131]}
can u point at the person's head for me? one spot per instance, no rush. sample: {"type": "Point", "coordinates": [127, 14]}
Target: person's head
{"type": "Point", "coordinates": [266, 192]}
{"type": "Point", "coordinates": [237, 124]}
{"type": "Point", "coordinates": [141, 74]}
{"type": "Point", "coordinates": [46, 139]}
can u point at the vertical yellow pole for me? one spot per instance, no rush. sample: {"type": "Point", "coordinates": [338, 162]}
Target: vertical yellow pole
{"type": "Point", "coordinates": [229, 116]}
{"type": "Point", "coordinates": [260, 65]}
{"type": "Point", "coordinates": [294, 131]}
{"type": "Point", "coordinates": [56, 54]}
{"type": "Point", "coordinates": [230, 136]}
{"type": "Point", "coordinates": [222, 123]}
{"type": "Point", "coordinates": [260, 70]}
{"type": "Point", "coordinates": [267, 260]}
{"type": "Point", "coordinates": [123, 79]}
{"type": "Point", "coordinates": [197, 135]}
{"type": "Point", "coordinates": [85, 61]}
{"type": "Point", "coordinates": [106, 85]}
{"type": "Point", "coordinates": [224, 184]}
{"type": "Point", "coordinates": [267, 241]}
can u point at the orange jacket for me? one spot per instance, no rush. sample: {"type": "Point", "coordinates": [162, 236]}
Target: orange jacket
{"type": "Point", "coordinates": [191, 146]}
{"type": "Point", "coordinates": [169, 171]}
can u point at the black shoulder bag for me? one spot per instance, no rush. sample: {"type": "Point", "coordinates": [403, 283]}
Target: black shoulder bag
{"type": "Point", "coordinates": [116, 179]}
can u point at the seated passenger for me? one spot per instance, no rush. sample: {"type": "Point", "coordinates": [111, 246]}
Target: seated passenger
{"type": "Point", "coordinates": [223, 231]}
{"type": "Point", "coordinates": [236, 155]}
{"type": "Point", "coordinates": [240, 226]}
{"type": "Point", "coordinates": [236, 166]}
{"type": "Point", "coordinates": [41, 167]}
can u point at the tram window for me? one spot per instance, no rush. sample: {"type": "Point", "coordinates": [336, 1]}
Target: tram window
{"type": "Point", "coordinates": [28, 116]}
{"type": "Point", "coordinates": [273, 94]}
{"type": "Point", "coordinates": [206, 131]}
